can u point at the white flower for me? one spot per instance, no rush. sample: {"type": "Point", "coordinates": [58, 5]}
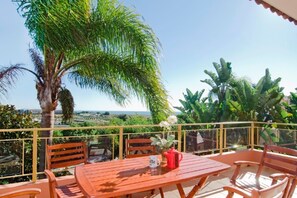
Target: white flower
{"type": "Point", "coordinates": [172, 119]}
{"type": "Point", "coordinates": [164, 124]}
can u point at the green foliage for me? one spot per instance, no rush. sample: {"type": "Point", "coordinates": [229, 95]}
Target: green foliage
{"type": "Point", "coordinates": [10, 118]}
{"type": "Point", "coordinates": [235, 99]}
{"type": "Point", "coordinates": [221, 83]}
{"type": "Point", "coordinates": [196, 109]}
{"type": "Point", "coordinates": [138, 120]}
{"type": "Point", "coordinates": [268, 135]}
{"type": "Point", "coordinates": [269, 96]}
{"type": "Point", "coordinates": [260, 102]}
{"type": "Point", "coordinates": [79, 132]}
{"type": "Point", "coordinates": [164, 143]}
{"type": "Point", "coordinates": [244, 101]}
{"type": "Point", "coordinates": [115, 121]}
{"type": "Point", "coordinates": [290, 115]}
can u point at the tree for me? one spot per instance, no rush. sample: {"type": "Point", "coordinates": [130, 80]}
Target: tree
{"type": "Point", "coordinates": [269, 95]}
{"type": "Point", "coordinates": [16, 141]}
{"type": "Point", "coordinates": [260, 102]}
{"type": "Point", "coordinates": [291, 106]}
{"type": "Point", "coordinates": [100, 45]}
{"type": "Point", "coordinates": [244, 101]}
{"type": "Point", "coordinates": [220, 83]}
{"type": "Point", "coordinates": [196, 109]}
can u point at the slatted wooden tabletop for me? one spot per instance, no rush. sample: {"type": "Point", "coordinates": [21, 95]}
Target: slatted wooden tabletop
{"type": "Point", "coordinates": [128, 176]}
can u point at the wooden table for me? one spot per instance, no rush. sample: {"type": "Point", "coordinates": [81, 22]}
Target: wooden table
{"type": "Point", "coordinates": [128, 176]}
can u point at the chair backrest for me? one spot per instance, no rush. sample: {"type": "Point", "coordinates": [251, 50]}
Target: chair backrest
{"type": "Point", "coordinates": [64, 155]}
{"type": "Point", "coordinates": [139, 147]}
{"type": "Point", "coordinates": [30, 192]}
{"type": "Point", "coordinates": [281, 159]}
{"type": "Point", "coordinates": [52, 182]}
{"type": "Point", "coordinates": [274, 191]}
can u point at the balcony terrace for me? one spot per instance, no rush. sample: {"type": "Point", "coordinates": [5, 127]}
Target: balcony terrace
{"type": "Point", "coordinates": [224, 142]}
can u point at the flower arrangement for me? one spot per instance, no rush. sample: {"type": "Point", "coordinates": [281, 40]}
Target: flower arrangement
{"type": "Point", "coordinates": [165, 143]}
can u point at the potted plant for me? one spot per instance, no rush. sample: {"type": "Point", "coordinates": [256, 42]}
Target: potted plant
{"type": "Point", "coordinates": [164, 143]}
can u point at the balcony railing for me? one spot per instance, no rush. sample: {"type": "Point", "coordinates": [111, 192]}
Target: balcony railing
{"type": "Point", "coordinates": [20, 148]}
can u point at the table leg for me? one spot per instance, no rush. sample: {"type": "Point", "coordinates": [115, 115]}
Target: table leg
{"type": "Point", "coordinates": [181, 190]}
{"type": "Point", "coordinates": [195, 189]}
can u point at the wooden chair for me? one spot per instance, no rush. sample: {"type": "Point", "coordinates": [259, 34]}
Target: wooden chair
{"type": "Point", "coordinates": [60, 156]}
{"type": "Point", "coordinates": [276, 190]}
{"type": "Point", "coordinates": [138, 148]}
{"type": "Point", "coordinates": [278, 158]}
{"type": "Point", "coordinates": [65, 155]}
{"type": "Point", "coordinates": [31, 192]}
{"type": "Point", "coordinates": [63, 191]}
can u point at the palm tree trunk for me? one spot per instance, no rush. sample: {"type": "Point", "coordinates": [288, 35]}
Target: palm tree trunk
{"type": "Point", "coordinates": [47, 121]}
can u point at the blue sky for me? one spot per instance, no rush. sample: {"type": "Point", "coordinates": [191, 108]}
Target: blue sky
{"type": "Point", "coordinates": [193, 34]}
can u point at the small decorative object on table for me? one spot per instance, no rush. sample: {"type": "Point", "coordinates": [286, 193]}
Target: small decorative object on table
{"type": "Point", "coordinates": [173, 158]}
{"type": "Point", "coordinates": [164, 143]}
{"type": "Point", "coordinates": [153, 161]}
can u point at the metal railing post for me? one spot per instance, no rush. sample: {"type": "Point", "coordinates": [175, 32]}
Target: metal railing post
{"type": "Point", "coordinates": [225, 138]}
{"type": "Point", "coordinates": [185, 142]}
{"type": "Point", "coordinates": [179, 137]}
{"type": "Point", "coordinates": [252, 135]}
{"type": "Point", "coordinates": [113, 139]}
{"type": "Point", "coordinates": [121, 145]}
{"type": "Point", "coordinates": [34, 153]}
{"type": "Point", "coordinates": [217, 138]}
{"type": "Point", "coordinates": [23, 158]}
{"type": "Point", "coordinates": [221, 138]}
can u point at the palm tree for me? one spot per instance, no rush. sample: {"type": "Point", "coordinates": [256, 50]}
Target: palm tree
{"type": "Point", "coordinates": [100, 45]}
{"type": "Point", "coordinates": [269, 95]}
{"type": "Point", "coordinates": [244, 101]}
{"type": "Point", "coordinates": [291, 107]}
{"type": "Point", "coordinates": [196, 109]}
{"type": "Point", "coordinates": [221, 82]}
{"type": "Point", "coordinates": [260, 102]}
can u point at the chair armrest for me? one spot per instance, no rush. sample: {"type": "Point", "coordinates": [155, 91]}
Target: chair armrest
{"type": "Point", "coordinates": [238, 166]}
{"type": "Point", "coordinates": [281, 176]}
{"type": "Point", "coordinates": [278, 176]}
{"type": "Point", "coordinates": [29, 191]}
{"type": "Point", "coordinates": [239, 163]}
{"type": "Point", "coordinates": [232, 189]}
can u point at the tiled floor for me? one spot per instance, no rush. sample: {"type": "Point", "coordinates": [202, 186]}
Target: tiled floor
{"type": "Point", "coordinates": [214, 186]}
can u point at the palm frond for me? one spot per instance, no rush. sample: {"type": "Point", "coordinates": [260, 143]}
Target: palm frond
{"type": "Point", "coordinates": [8, 75]}
{"type": "Point", "coordinates": [37, 61]}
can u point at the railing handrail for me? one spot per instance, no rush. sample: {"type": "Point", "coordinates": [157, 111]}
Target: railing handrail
{"type": "Point", "coordinates": [124, 126]}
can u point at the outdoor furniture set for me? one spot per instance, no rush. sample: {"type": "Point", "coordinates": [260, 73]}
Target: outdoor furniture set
{"type": "Point", "coordinates": [125, 177]}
